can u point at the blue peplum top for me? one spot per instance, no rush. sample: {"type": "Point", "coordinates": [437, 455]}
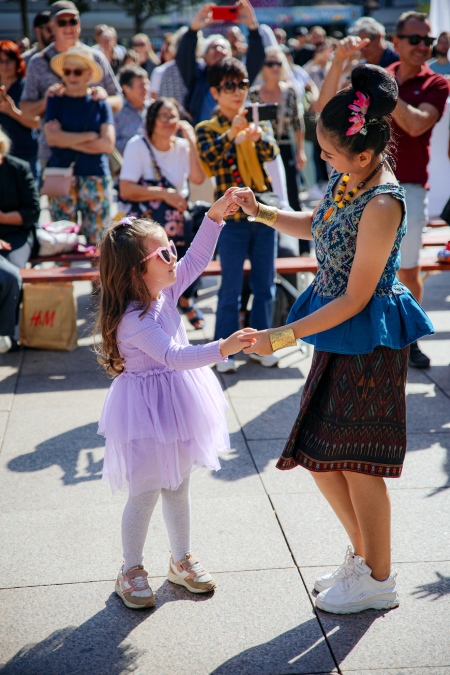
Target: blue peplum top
{"type": "Point", "coordinates": [392, 318]}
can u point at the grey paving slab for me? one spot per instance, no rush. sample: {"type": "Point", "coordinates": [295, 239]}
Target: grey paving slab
{"type": "Point", "coordinates": [415, 635]}
{"type": "Point", "coordinates": [445, 670]}
{"type": "Point", "coordinates": [258, 381]}
{"type": "Point", "coordinates": [420, 527]}
{"type": "Point", "coordinates": [253, 626]}
{"type": "Point", "coordinates": [441, 374]}
{"type": "Point", "coordinates": [3, 422]}
{"type": "Point", "coordinates": [266, 455]}
{"type": "Point", "coordinates": [267, 418]}
{"type": "Point", "coordinates": [9, 373]}
{"type": "Point", "coordinates": [228, 533]}
{"type": "Point", "coordinates": [422, 414]}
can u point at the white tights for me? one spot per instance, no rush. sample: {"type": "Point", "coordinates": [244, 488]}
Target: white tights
{"type": "Point", "coordinates": [176, 507]}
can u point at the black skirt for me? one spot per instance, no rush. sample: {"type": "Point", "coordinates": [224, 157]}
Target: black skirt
{"type": "Point", "coordinates": [352, 415]}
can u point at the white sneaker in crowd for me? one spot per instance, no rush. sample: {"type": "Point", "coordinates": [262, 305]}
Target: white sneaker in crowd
{"type": "Point", "coordinates": [329, 580]}
{"type": "Point", "coordinates": [5, 344]}
{"type": "Point", "coordinates": [266, 361]}
{"type": "Point", "coordinates": [226, 366]}
{"type": "Point", "coordinates": [359, 591]}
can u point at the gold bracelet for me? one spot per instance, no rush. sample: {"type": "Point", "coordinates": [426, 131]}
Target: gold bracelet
{"type": "Point", "coordinates": [282, 338]}
{"type": "Point", "coordinates": [266, 214]}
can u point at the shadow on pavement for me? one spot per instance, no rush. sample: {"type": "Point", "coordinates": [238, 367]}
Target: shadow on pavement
{"type": "Point", "coordinates": [97, 646]}
{"type": "Point", "coordinates": [63, 450]}
{"type": "Point", "coordinates": [435, 589]}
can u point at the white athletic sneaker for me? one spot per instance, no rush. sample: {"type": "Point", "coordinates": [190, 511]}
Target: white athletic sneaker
{"type": "Point", "coordinates": [226, 366]}
{"type": "Point", "coordinates": [359, 591]}
{"type": "Point", "coordinates": [266, 361]}
{"type": "Point", "coordinates": [132, 586]}
{"type": "Point", "coordinates": [329, 580]}
{"type": "Point", "coordinates": [191, 574]}
{"type": "Point", "coordinates": [5, 344]}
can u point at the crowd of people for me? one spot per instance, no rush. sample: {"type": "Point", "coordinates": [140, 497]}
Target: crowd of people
{"type": "Point", "coordinates": [196, 116]}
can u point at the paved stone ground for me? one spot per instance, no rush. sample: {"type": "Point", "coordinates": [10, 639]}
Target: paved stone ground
{"type": "Point", "coordinates": [265, 534]}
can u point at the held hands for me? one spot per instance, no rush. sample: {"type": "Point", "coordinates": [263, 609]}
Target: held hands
{"type": "Point", "coordinates": [244, 199]}
{"type": "Point", "coordinates": [223, 208]}
{"type": "Point", "coordinates": [233, 344]}
{"type": "Point", "coordinates": [260, 343]}
{"type": "Point", "coordinates": [348, 47]}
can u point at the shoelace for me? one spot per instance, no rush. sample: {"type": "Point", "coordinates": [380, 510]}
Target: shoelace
{"type": "Point", "coordinates": [352, 575]}
{"type": "Point", "coordinates": [348, 562]}
{"type": "Point", "coordinates": [140, 583]}
{"type": "Point", "coordinates": [197, 568]}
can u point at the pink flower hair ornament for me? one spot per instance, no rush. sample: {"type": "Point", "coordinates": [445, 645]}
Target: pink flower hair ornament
{"type": "Point", "coordinates": [360, 107]}
{"type": "Point", "coordinates": [128, 220]}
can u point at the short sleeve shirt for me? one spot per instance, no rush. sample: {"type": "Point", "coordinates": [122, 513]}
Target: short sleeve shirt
{"type": "Point", "coordinates": [76, 115]}
{"type": "Point", "coordinates": [24, 140]}
{"type": "Point", "coordinates": [413, 153]}
{"type": "Point", "coordinates": [40, 77]}
{"type": "Point", "coordinates": [174, 164]}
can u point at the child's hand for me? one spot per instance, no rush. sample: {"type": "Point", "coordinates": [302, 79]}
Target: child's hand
{"type": "Point", "coordinates": [223, 208]}
{"type": "Point", "coordinates": [244, 198]}
{"type": "Point", "coordinates": [237, 341]}
{"type": "Point", "coordinates": [260, 343]}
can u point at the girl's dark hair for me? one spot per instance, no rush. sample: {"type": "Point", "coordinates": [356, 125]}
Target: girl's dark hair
{"type": "Point", "coordinates": [229, 69]}
{"type": "Point", "coordinates": [154, 109]}
{"type": "Point", "coordinates": [121, 250]}
{"type": "Point", "coordinates": [382, 90]}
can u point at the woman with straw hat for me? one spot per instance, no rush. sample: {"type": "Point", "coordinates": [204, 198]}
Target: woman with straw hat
{"type": "Point", "coordinates": [80, 132]}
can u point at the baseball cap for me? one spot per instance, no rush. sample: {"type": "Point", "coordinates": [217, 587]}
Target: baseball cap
{"type": "Point", "coordinates": [63, 7]}
{"type": "Point", "coordinates": [41, 19]}
{"type": "Point", "coordinates": [301, 30]}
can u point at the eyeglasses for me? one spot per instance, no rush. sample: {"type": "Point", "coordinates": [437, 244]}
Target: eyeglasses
{"type": "Point", "coordinates": [164, 252]}
{"type": "Point", "coordinates": [67, 22]}
{"type": "Point", "coordinates": [230, 86]}
{"type": "Point", "coordinates": [73, 71]}
{"type": "Point", "coordinates": [139, 44]}
{"type": "Point", "coordinates": [415, 40]}
{"type": "Point", "coordinates": [166, 117]}
{"type": "Point", "coordinates": [272, 64]}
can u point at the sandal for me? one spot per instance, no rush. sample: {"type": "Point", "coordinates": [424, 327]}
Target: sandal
{"type": "Point", "coordinates": [195, 318]}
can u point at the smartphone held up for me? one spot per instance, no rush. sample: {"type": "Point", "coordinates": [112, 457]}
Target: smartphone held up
{"type": "Point", "coordinates": [224, 13]}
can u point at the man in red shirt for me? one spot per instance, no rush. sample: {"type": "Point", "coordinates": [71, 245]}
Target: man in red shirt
{"type": "Point", "coordinates": [422, 97]}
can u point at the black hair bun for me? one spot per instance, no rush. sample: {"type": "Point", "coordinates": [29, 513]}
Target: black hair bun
{"type": "Point", "coordinates": [379, 85]}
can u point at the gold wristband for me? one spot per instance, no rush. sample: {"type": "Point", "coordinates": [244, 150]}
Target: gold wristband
{"type": "Point", "coordinates": [282, 338]}
{"type": "Point", "coordinates": [266, 214]}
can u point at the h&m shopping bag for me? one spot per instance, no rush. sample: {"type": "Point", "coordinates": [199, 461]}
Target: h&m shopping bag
{"type": "Point", "coordinates": [48, 319]}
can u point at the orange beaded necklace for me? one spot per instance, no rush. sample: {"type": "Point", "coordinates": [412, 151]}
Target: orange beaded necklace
{"type": "Point", "coordinates": [341, 199]}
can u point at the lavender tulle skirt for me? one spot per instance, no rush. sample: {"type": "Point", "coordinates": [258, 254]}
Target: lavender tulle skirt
{"type": "Point", "coordinates": [159, 426]}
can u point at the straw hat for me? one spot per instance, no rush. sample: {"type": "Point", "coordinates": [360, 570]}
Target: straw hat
{"type": "Point", "coordinates": [80, 53]}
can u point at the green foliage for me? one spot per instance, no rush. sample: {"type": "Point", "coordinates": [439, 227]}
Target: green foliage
{"type": "Point", "coordinates": [142, 10]}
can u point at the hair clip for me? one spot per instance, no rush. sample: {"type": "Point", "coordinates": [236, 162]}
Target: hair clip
{"type": "Point", "coordinates": [359, 106]}
{"type": "Point", "coordinates": [128, 220]}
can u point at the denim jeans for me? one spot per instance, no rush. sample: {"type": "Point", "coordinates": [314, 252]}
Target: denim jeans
{"type": "Point", "coordinates": [240, 240]}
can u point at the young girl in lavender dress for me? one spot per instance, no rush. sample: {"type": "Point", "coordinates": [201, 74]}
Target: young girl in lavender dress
{"type": "Point", "coordinates": [164, 412]}
{"type": "Point", "coordinates": [351, 429]}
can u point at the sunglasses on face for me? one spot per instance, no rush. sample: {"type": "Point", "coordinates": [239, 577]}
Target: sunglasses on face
{"type": "Point", "coordinates": [415, 40]}
{"type": "Point", "coordinates": [272, 64]}
{"type": "Point", "coordinates": [166, 117]}
{"type": "Point", "coordinates": [230, 86]}
{"type": "Point", "coordinates": [164, 252]}
{"type": "Point", "coordinates": [73, 71]}
{"type": "Point", "coordinates": [139, 44]}
{"type": "Point", "coordinates": [67, 22]}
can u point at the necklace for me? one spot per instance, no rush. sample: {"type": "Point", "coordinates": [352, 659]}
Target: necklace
{"type": "Point", "coordinates": [341, 199]}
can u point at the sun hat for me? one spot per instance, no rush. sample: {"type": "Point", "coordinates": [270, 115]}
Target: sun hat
{"type": "Point", "coordinates": [78, 53]}
{"type": "Point", "coordinates": [63, 7]}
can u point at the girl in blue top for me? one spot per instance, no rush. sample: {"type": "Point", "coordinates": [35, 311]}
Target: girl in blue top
{"type": "Point", "coordinates": [351, 429]}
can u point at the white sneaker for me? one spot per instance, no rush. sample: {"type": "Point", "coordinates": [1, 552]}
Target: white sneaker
{"type": "Point", "coordinates": [5, 344]}
{"type": "Point", "coordinates": [359, 591]}
{"type": "Point", "coordinates": [266, 361]}
{"type": "Point", "coordinates": [329, 580]}
{"type": "Point", "coordinates": [226, 366]}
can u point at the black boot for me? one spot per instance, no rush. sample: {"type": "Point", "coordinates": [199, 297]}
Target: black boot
{"type": "Point", "coordinates": [417, 359]}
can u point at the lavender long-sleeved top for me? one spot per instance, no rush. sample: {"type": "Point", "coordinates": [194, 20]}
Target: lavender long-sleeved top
{"type": "Point", "coordinates": [158, 341]}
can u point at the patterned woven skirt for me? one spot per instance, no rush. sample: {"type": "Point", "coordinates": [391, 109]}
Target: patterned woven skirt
{"type": "Point", "coordinates": [352, 414]}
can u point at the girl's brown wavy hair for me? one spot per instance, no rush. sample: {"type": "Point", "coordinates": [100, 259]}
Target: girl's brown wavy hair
{"type": "Point", "coordinates": [121, 250]}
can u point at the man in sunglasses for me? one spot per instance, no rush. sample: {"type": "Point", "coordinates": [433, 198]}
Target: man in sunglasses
{"type": "Point", "coordinates": [199, 101]}
{"type": "Point", "coordinates": [422, 97]}
{"type": "Point", "coordinates": [42, 82]}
